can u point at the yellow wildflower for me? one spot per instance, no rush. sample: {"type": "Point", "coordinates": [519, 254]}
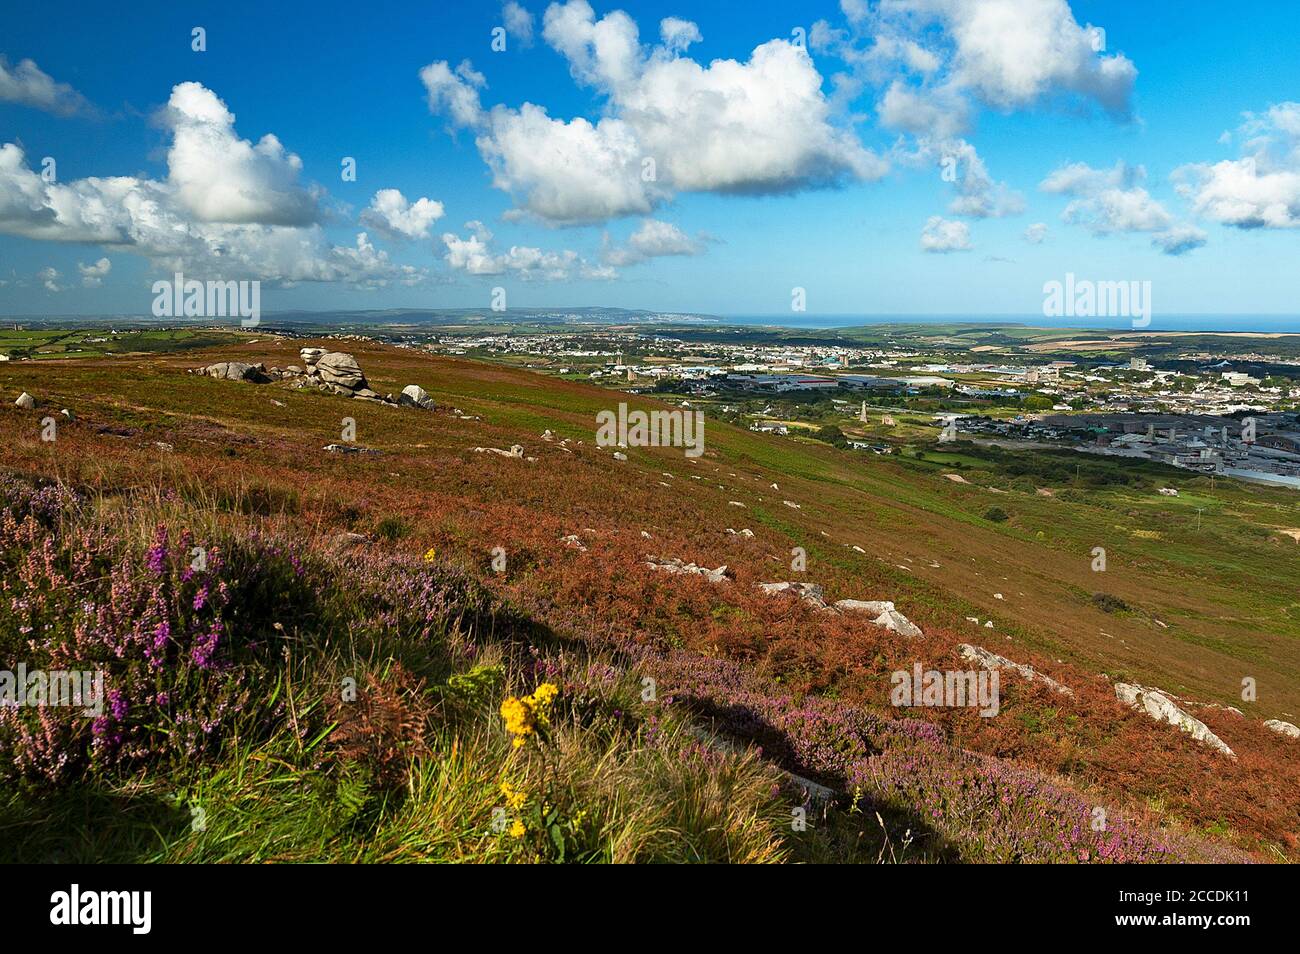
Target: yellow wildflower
{"type": "Point", "coordinates": [517, 830]}
{"type": "Point", "coordinates": [515, 799]}
{"type": "Point", "coordinates": [518, 715]}
{"type": "Point", "coordinates": [525, 715]}
{"type": "Point", "coordinates": [430, 555]}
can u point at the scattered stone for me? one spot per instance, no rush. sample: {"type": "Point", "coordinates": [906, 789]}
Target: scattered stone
{"type": "Point", "coordinates": [810, 593]}
{"type": "Point", "coordinates": [574, 541]}
{"type": "Point", "coordinates": [677, 566]}
{"type": "Point", "coordinates": [236, 371]}
{"type": "Point", "coordinates": [991, 660]}
{"type": "Point", "coordinates": [347, 540]}
{"type": "Point", "coordinates": [618, 455]}
{"type": "Point", "coordinates": [1285, 728]}
{"type": "Point", "coordinates": [516, 450]}
{"type": "Point", "coordinates": [349, 449]}
{"type": "Point", "coordinates": [415, 396]}
{"type": "Point", "coordinates": [1168, 492]}
{"type": "Point", "coordinates": [311, 355]}
{"type": "Point", "coordinates": [791, 503]}
{"type": "Point", "coordinates": [1161, 708]}
{"type": "Point", "coordinates": [68, 415]}
{"type": "Point", "coordinates": [25, 401]}
{"type": "Point", "coordinates": [1214, 705]}
{"type": "Point", "coordinates": [884, 615]}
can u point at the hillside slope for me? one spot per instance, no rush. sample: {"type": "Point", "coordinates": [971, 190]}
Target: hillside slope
{"type": "Point", "coordinates": [1202, 609]}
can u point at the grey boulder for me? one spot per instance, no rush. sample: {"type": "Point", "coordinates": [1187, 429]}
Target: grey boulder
{"type": "Point", "coordinates": [338, 367]}
{"type": "Point", "coordinates": [234, 371]}
{"type": "Point", "coordinates": [415, 396]}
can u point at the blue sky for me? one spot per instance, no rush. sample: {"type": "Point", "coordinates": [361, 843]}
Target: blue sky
{"type": "Point", "coordinates": [764, 183]}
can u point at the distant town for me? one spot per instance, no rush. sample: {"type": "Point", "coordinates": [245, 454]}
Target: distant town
{"type": "Point", "coordinates": [1214, 414]}
{"type": "Point", "coordinates": [1215, 404]}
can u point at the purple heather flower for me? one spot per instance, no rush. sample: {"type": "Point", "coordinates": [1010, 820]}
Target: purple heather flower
{"type": "Point", "coordinates": [156, 558]}
{"type": "Point", "coordinates": [117, 704]}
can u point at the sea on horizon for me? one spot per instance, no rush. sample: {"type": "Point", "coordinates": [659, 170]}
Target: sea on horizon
{"type": "Point", "coordinates": [1263, 324]}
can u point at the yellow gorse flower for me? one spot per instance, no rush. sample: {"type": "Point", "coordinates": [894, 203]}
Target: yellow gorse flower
{"type": "Point", "coordinates": [517, 830]}
{"type": "Point", "coordinates": [430, 555]}
{"type": "Point", "coordinates": [524, 715]}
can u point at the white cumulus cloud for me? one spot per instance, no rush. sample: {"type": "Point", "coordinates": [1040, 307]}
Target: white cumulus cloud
{"type": "Point", "coordinates": [227, 208]}
{"type": "Point", "coordinates": [518, 22]}
{"type": "Point", "coordinates": [93, 275]}
{"type": "Point", "coordinates": [1110, 201]}
{"type": "Point", "coordinates": [1036, 234]}
{"type": "Point", "coordinates": [945, 235]}
{"type": "Point", "coordinates": [1013, 53]}
{"type": "Point", "coordinates": [652, 239]}
{"type": "Point", "coordinates": [28, 85]}
{"type": "Point", "coordinates": [49, 277]}
{"type": "Point", "coordinates": [474, 255]}
{"type": "Point", "coordinates": [1261, 189]}
{"type": "Point", "coordinates": [219, 177]}
{"type": "Point", "coordinates": [669, 125]}
{"type": "Point", "coordinates": [390, 213]}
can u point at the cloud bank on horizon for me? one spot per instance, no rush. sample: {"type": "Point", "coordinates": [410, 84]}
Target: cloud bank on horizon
{"type": "Point", "coordinates": [868, 98]}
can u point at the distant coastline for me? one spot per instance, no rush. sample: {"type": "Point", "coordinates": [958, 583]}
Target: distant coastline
{"type": "Point", "coordinates": [1237, 325]}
